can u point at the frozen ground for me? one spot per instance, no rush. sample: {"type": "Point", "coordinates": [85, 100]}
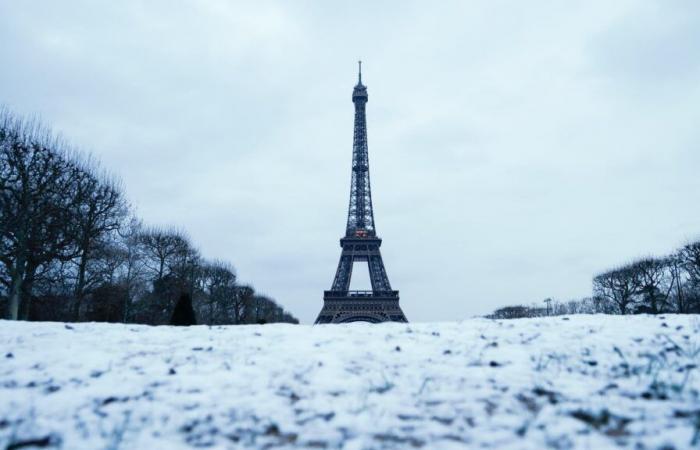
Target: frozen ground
{"type": "Point", "coordinates": [590, 382]}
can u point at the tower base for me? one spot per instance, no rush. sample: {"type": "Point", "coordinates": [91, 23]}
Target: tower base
{"type": "Point", "coordinates": [360, 306]}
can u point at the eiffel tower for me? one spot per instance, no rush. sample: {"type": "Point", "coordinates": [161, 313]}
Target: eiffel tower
{"type": "Point", "coordinates": [360, 243]}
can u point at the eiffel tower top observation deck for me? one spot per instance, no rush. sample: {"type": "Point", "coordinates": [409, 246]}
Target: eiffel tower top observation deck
{"type": "Point", "coordinates": [360, 243]}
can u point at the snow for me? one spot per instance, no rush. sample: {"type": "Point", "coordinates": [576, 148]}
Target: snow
{"type": "Point", "coordinates": [590, 382]}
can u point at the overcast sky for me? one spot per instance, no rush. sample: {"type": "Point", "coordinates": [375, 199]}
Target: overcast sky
{"type": "Point", "coordinates": [516, 148]}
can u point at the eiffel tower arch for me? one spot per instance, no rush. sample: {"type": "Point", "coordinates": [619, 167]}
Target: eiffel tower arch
{"type": "Point", "coordinates": [360, 243]}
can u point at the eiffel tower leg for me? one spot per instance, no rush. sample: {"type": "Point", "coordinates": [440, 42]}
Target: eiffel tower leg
{"type": "Point", "coordinates": [377, 273]}
{"type": "Point", "coordinates": [341, 282]}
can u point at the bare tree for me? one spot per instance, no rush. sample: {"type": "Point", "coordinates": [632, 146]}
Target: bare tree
{"type": "Point", "coordinates": [617, 287]}
{"type": "Point", "coordinates": [689, 256]}
{"type": "Point", "coordinates": [37, 201]}
{"type": "Point", "coordinates": [219, 282]}
{"type": "Point", "coordinates": [651, 283]}
{"type": "Point", "coordinates": [242, 299]}
{"type": "Point", "coordinates": [164, 250]}
{"type": "Point", "coordinates": [677, 278]}
{"type": "Point", "coordinates": [133, 276]}
{"type": "Point", "coordinates": [102, 210]}
{"type": "Point", "coordinates": [265, 310]}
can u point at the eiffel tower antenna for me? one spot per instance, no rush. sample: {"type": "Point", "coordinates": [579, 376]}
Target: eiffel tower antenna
{"type": "Point", "coordinates": [360, 242]}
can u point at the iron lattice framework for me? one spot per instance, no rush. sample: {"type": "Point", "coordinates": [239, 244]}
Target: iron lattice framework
{"type": "Point", "coordinates": [360, 243]}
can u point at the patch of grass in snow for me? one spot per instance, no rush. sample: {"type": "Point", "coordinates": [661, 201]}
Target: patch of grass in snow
{"type": "Point", "coordinates": [665, 373]}
{"type": "Point", "coordinates": [25, 433]}
{"type": "Point", "coordinates": [604, 421]}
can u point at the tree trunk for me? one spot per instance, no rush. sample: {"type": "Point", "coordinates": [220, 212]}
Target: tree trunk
{"type": "Point", "coordinates": [26, 303]}
{"type": "Point", "coordinates": [681, 306]}
{"type": "Point", "coordinates": [26, 291]}
{"type": "Point", "coordinates": [127, 299]}
{"type": "Point", "coordinates": [15, 296]}
{"type": "Point", "coordinates": [211, 309]}
{"type": "Point", "coordinates": [80, 286]}
{"type": "Point", "coordinates": [18, 274]}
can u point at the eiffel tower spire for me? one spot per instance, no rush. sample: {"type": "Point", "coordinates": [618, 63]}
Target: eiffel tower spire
{"type": "Point", "coordinates": [360, 214]}
{"type": "Point", "coordinates": [360, 243]}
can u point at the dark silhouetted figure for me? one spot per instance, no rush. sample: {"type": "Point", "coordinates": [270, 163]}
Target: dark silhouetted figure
{"type": "Point", "coordinates": [183, 313]}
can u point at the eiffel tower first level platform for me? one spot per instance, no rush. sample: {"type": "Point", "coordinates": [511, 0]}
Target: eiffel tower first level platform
{"type": "Point", "coordinates": [360, 244]}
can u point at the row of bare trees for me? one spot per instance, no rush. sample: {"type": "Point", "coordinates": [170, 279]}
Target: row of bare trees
{"type": "Point", "coordinates": [669, 284]}
{"type": "Point", "coordinates": [654, 285]}
{"type": "Point", "coordinates": [71, 249]}
{"type": "Point", "coordinates": [550, 307]}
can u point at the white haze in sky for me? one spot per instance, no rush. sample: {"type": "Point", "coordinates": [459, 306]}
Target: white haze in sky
{"type": "Point", "coordinates": [516, 148]}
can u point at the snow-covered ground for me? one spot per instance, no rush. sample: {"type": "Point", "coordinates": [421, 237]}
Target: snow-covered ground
{"type": "Point", "coordinates": [589, 382]}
